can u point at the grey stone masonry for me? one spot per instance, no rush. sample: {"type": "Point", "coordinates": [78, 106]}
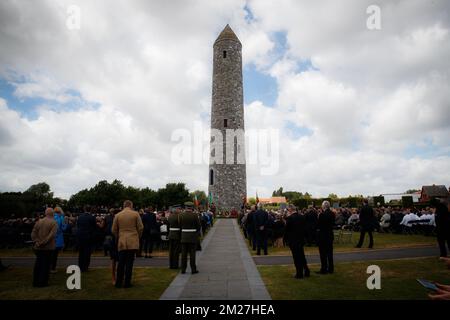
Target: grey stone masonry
{"type": "Point", "coordinates": [227, 170]}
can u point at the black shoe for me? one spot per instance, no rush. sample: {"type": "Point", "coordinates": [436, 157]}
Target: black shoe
{"type": "Point", "coordinates": [183, 271]}
{"type": "Point", "coordinates": [307, 273]}
{"type": "Point", "coordinates": [358, 246]}
{"type": "Point", "coordinates": [370, 247]}
{"type": "Point", "coordinates": [195, 271]}
{"type": "Point", "coordinates": [298, 276]}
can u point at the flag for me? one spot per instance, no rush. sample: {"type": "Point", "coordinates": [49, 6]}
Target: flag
{"type": "Point", "coordinates": [195, 200]}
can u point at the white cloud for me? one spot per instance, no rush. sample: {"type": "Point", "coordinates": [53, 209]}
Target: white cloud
{"type": "Point", "coordinates": [147, 65]}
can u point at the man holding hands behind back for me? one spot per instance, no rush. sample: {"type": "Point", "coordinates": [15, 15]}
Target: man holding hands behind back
{"type": "Point", "coordinates": [295, 237]}
{"type": "Point", "coordinates": [43, 235]}
{"type": "Point", "coordinates": [325, 238]}
{"type": "Point", "coordinates": [127, 229]}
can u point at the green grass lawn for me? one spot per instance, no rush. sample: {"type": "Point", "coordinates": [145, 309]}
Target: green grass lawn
{"type": "Point", "coordinates": [381, 240]}
{"type": "Point", "coordinates": [398, 280]}
{"type": "Point", "coordinates": [148, 283]}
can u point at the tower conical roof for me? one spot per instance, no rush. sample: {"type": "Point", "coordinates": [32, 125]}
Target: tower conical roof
{"type": "Point", "coordinates": [227, 34]}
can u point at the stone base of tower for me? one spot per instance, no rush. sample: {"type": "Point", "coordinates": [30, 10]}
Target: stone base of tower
{"type": "Point", "coordinates": [228, 185]}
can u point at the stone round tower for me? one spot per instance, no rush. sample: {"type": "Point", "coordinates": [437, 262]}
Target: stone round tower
{"type": "Point", "coordinates": [227, 171]}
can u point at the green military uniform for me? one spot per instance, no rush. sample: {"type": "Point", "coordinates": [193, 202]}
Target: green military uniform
{"type": "Point", "coordinates": [174, 239]}
{"type": "Point", "coordinates": [190, 227]}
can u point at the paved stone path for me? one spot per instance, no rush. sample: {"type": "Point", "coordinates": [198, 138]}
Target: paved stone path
{"type": "Point", "coordinates": [226, 269]}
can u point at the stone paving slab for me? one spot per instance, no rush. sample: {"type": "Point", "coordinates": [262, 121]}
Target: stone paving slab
{"type": "Point", "coordinates": [226, 269]}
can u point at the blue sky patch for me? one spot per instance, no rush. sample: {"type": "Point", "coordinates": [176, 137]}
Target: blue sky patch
{"type": "Point", "coordinates": [259, 86]}
{"type": "Point", "coordinates": [426, 150]}
{"type": "Point", "coordinates": [28, 107]}
{"type": "Point", "coordinates": [296, 131]}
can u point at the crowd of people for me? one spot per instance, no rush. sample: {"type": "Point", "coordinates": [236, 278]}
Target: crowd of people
{"type": "Point", "coordinates": [121, 233]}
{"type": "Point", "coordinates": [16, 232]}
{"type": "Point", "coordinates": [124, 233]}
{"type": "Point", "coordinates": [297, 228]}
{"type": "Point", "coordinates": [382, 219]}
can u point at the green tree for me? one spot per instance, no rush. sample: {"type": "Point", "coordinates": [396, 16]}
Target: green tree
{"type": "Point", "coordinates": [172, 194]}
{"type": "Point", "coordinates": [41, 193]}
{"type": "Point", "coordinates": [307, 196]}
{"type": "Point", "coordinates": [278, 193]}
{"type": "Point", "coordinates": [333, 196]}
{"type": "Point", "coordinates": [149, 197]}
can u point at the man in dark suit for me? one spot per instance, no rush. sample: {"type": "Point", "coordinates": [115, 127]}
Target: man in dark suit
{"type": "Point", "coordinates": [366, 221]}
{"type": "Point", "coordinates": [325, 239]}
{"type": "Point", "coordinates": [250, 227]}
{"type": "Point", "coordinates": [311, 226]}
{"type": "Point", "coordinates": [86, 225]}
{"type": "Point", "coordinates": [149, 222]}
{"type": "Point", "coordinates": [261, 221]}
{"type": "Point", "coordinates": [442, 220]}
{"type": "Point", "coordinates": [295, 237]}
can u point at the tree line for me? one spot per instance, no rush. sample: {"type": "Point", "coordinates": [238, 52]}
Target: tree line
{"type": "Point", "coordinates": [39, 196]}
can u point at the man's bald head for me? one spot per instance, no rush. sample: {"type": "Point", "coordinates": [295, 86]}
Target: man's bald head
{"type": "Point", "coordinates": [49, 212]}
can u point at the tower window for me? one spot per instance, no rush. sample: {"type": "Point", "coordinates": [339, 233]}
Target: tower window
{"type": "Point", "coordinates": [211, 177]}
{"type": "Point", "coordinates": [224, 54]}
{"type": "Point", "coordinates": [225, 123]}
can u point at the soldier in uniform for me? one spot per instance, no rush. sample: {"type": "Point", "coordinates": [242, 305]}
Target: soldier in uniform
{"type": "Point", "coordinates": [190, 227]}
{"type": "Point", "coordinates": [174, 238]}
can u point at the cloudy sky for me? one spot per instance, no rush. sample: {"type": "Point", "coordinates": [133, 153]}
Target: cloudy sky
{"type": "Point", "coordinates": [359, 111]}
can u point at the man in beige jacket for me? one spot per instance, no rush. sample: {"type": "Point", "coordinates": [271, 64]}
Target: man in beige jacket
{"type": "Point", "coordinates": [127, 228]}
{"type": "Point", "coordinates": [43, 235]}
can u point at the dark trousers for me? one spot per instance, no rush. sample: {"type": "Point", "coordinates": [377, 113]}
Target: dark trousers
{"type": "Point", "coordinates": [252, 239]}
{"type": "Point", "coordinates": [54, 259]}
{"type": "Point", "coordinates": [261, 241]}
{"type": "Point", "coordinates": [310, 235]}
{"type": "Point", "coordinates": [174, 253]}
{"type": "Point", "coordinates": [363, 235]}
{"type": "Point", "coordinates": [298, 253]}
{"type": "Point", "coordinates": [42, 267]}
{"type": "Point", "coordinates": [84, 255]}
{"type": "Point", "coordinates": [188, 248]}
{"type": "Point", "coordinates": [141, 246]}
{"type": "Point", "coordinates": [125, 267]}
{"type": "Point", "coordinates": [326, 255]}
{"type": "Point", "coordinates": [442, 239]}
{"type": "Point", "coordinates": [147, 244]}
